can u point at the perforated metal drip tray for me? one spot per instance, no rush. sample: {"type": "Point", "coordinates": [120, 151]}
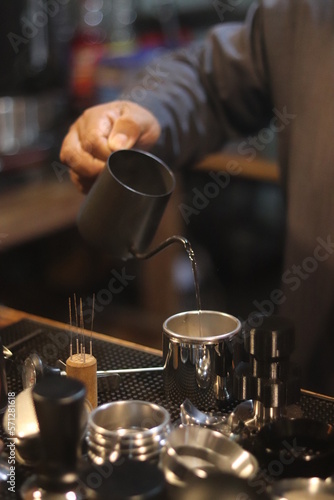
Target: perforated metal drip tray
{"type": "Point", "coordinates": [51, 343]}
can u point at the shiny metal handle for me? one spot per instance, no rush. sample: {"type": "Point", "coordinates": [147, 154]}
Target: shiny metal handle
{"type": "Point", "coordinates": [164, 244]}
{"type": "Point", "coordinates": [107, 373]}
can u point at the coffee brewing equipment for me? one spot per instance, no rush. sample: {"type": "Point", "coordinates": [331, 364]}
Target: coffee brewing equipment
{"type": "Point", "coordinates": [123, 208]}
{"type": "Point", "coordinates": [268, 379]}
{"type": "Point", "coordinates": [198, 357]}
{"type": "Point", "coordinates": [264, 380]}
{"type": "Point", "coordinates": [132, 429]}
{"type": "Point", "coordinates": [194, 451]}
{"type": "Point", "coordinates": [120, 215]}
{"type": "Point", "coordinates": [59, 405]}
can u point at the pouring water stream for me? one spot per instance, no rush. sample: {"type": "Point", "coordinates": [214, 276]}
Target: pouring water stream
{"type": "Point", "coordinates": [188, 248]}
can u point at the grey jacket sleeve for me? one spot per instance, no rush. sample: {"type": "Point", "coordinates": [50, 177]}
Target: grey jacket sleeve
{"type": "Point", "coordinates": [208, 93]}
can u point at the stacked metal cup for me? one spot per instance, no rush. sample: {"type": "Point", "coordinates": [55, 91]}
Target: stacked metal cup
{"type": "Point", "coordinates": [129, 429]}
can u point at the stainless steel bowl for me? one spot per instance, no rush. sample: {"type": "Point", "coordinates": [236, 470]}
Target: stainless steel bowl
{"type": "Point", "coordinates": [133, 429]}
{"type": "Point", "coordinates": [193, 451]}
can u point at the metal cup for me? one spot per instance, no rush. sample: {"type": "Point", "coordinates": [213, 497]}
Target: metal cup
{"type": "Point", "coordinates": [198, 354]}
{"type": "Point", "coordinates": [123, 209]}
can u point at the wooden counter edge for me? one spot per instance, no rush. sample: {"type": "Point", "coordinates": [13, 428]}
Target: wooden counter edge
{"type": "Point", "coordinates": [9, 316]}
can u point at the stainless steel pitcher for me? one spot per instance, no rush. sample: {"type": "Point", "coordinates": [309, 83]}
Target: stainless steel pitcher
{"type": "Point", "coordinates": [198, 356]}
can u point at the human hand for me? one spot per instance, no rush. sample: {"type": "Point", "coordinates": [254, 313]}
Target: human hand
{"type": "Point", "coordinates": [101, 130]}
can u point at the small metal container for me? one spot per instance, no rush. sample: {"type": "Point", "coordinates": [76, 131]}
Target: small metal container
{"type": "Point", "coordinates": [132, 429]}
{"type": "Point", "coordinates": [198, 352]}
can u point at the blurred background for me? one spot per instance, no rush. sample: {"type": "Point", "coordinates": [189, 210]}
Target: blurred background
{"type": "Point", "coordinates": [57, 58]}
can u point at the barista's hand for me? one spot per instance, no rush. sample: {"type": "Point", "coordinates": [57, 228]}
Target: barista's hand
{"type": "Point", "coordinates": [99, 131]}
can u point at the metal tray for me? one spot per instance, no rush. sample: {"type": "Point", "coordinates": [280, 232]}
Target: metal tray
{"type": "Point", "coordinates": [51, 343]}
